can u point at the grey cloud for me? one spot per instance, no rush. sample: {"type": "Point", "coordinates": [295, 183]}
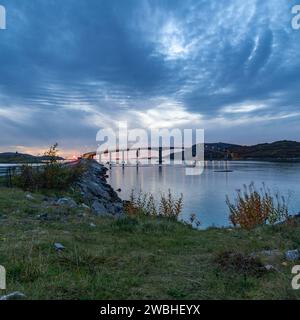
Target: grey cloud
{"type": "Point", "coordinates": [63, 62]}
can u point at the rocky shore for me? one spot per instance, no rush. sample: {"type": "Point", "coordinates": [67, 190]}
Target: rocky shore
{"type": "Point", "coordinates": [96, 192]}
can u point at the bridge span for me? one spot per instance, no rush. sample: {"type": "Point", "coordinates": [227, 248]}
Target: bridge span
{"type": "Point", "coordinates": [92, 155]}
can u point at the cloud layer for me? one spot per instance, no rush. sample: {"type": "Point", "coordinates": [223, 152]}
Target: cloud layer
{"type": "Point", "coordinates": [68, 68]}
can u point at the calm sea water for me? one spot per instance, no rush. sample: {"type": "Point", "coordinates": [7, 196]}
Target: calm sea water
{"type": "Point", "coordinates": [205, 195]}
{"type": "Point", "coordinates": [4, 166]}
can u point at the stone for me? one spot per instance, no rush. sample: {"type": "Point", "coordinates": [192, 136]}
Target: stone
{"type": "Point", "coordinates": [271, 253]}
{"type": "Point", "coordinates": [84, 206]}
{"type": "Point", "coordinates": [269, 267]}
{"type": "Point", "coordinates": [269, 257]}
{"type": "Point", "coordinates": [29, 197]}
{"type": "Point", "coordinates": [67, 202]}
{"type": "Point", "coordinates": [81, 215]}
{"type": "Point", "coordinates": [99, 208]}
{"type": "Point", "coordinates": [292, 255]}
{"type": "Point", "coordinates": [14, 296]}
{"type": "Point", "coordinates": [43, 216]}
{"type": "Point", "coordinates": [58, 246]}
{"type": "Point", "coordinates": [118, 207]}
{"type": "Point", "coordinates": [96, 189]}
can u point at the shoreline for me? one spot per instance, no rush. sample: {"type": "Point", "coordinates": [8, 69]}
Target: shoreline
{"type": "Point", "coordinates": [53, 240]}
{"type": "Point", "coordinates": [49, 247]}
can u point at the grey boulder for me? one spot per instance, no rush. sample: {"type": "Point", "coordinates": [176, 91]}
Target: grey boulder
{"type": "Point", "coordinates": [66, 202]}
{"type": "Point", "coordinates": [58, 246]}
{"type": "Point", "coordinates": [292, 255]}
{"type": "Point", "coordinates": [14, 296]}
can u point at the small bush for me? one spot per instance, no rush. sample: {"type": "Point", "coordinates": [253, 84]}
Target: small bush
{"type": "Point", "coordinates": [253, 208]}
{"type": "Point", "coordinates": [51, 176]}
{"type": "Point", "coordinates": [167, 207]}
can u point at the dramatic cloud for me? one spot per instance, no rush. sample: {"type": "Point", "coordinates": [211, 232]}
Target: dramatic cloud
{"type": "Point", "coordinates": [68, 68]}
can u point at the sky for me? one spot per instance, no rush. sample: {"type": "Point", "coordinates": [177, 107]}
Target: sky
{"type": "Point", "coordinates": [69, 68]}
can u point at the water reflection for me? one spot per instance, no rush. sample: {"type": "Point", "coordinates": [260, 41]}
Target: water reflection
{"type": "Point", "coordinates": [204, 195]}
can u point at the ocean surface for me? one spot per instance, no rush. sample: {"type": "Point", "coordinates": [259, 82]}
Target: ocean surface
{"type": "Point", "coordinates": [205, 195]}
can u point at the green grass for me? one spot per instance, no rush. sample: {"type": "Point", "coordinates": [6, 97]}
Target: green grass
{"type": "Point", "coordinates": [132, 258]}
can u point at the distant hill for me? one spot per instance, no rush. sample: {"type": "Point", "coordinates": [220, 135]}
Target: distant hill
{"type": "Point", "coordinates": [279, 150]}
{"type": "Point", "coordinates": [15, 157]}
{"type": "Point", "coordinates": [218, 151]}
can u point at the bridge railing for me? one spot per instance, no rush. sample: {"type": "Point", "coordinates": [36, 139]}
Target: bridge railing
{"type": "Point", "coordinates": [109, 152]}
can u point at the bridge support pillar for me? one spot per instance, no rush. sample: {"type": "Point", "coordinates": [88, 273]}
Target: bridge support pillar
{"type": "Point", "coordinates": [160, 156]}
{"type": "Point", "coordinates": [123, 159]}
{"type": "Point", "coordinates": [149, 156]}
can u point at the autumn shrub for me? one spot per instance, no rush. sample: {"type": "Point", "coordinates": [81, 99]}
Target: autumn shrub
{"type": "Point", "coordinates": [254, 207]}
{"type": "Point", "coordinates": [168, 206]}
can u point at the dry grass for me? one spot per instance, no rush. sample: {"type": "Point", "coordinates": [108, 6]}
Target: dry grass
{"type": "Point", "coordinates": [254, 207]}
{"type": "Point", "coordinates": [167, 207]}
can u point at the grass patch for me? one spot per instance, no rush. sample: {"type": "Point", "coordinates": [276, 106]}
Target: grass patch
{"type": "Point", "coordinates": [136, 257]}
{"type": "Point", "coordinates": [233, 262]}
